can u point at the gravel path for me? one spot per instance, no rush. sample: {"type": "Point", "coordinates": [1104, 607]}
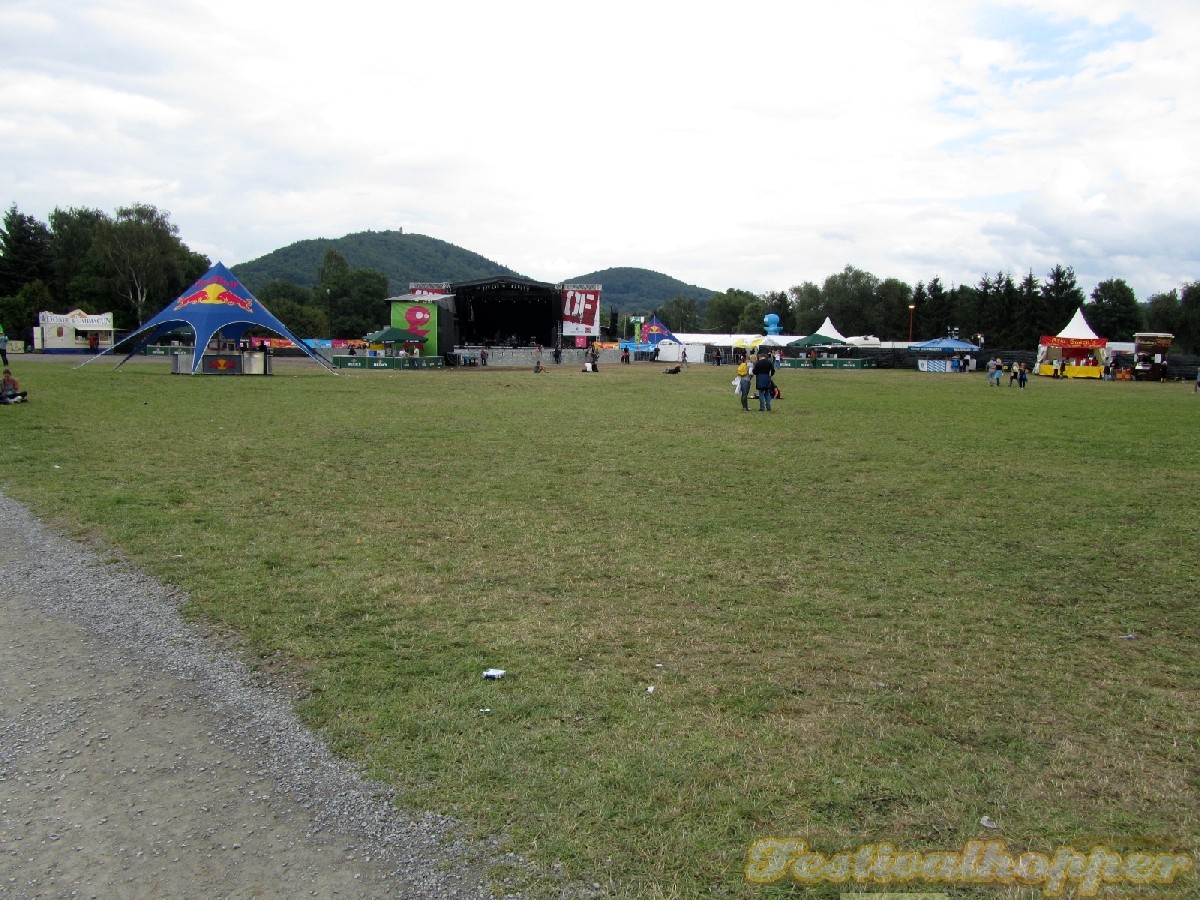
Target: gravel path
{"type": "Point", "coordinates": [138, 760]}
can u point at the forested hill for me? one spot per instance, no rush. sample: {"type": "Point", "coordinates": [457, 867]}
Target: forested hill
{"type": "Point", "coordinates": [405, 258]}
{"type": "Point", "coordinates": [640, 290]}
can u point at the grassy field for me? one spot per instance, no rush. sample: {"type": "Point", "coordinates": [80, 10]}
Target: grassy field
{"type": "Point", "coordinates": [897, 604]}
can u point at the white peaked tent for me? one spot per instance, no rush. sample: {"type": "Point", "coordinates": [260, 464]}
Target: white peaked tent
{"type": "Point", "coordinates": [1075, 352]}
{"type": "Point", "coordinates": [1078, 328]}
{"type": "Point", "coordinates": [828, 330]}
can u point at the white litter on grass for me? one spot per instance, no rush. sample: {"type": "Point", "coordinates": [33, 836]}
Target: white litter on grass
{"type": "Point", "coordinates": [650, 690]}
{"type": "Point", "coordinates": [493, 674]}
{"type": "Point", "coordinates": [987, 822]}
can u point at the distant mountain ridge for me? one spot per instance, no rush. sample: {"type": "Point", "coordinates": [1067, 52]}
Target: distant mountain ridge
{"type": "Point", "coordinates": [406, 258]}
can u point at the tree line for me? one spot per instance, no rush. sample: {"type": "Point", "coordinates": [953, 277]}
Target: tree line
{"type": "Point", "coordinates": [1002, 310]}
{"type": "Point", "coordinates": [132, 263]}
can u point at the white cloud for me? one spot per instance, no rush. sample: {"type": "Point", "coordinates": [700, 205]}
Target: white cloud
{"type": "Point", "coordinates": [756, 146]}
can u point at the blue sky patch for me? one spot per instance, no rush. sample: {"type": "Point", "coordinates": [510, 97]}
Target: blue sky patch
{"type": "Point", "coordinates": [1054, 47]}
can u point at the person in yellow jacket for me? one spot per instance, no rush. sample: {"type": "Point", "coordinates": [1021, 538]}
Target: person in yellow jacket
{"type": "Point", "coordinates": [743, 374]}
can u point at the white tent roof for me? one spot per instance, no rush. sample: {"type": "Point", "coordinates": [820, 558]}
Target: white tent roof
{"type": "Point", "coordinates": [736, 340]}
{"type": "Point", "coordinates": [1078, 328]}
{"type": "Point", "coordinates": [828, 330]}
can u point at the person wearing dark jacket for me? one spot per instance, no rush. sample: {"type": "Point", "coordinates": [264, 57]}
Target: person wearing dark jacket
{"type": "Point", "coordinates": [764, 369]}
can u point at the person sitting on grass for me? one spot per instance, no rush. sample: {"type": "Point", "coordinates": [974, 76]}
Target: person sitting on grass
{"type": "Point", "coordinates": [10, 389]}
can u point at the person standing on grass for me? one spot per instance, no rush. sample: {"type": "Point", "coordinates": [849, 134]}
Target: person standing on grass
{"type": "Point", "coordinates": [1022, 375]}
{"type": "Point", "coordinates": [743, 374]}
{"type": "Point", "coordinates": [763, 370]}
{"type": "Point", "coordinates": [3, 346]}
{"type": "Point", "coordinates": [683, 357]}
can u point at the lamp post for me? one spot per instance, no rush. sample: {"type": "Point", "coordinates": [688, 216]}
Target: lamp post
{"type": "Point", "coordinates": [912, 307]}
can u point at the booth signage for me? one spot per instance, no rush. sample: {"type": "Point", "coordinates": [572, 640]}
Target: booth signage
{"type": "Point", "coordinates": [1077, 343]}
{"type": "Point", "coordinates": [79, 322]}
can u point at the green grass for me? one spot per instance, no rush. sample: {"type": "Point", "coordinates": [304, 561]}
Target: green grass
{"type": "Point", "coordinates": [889, 608]}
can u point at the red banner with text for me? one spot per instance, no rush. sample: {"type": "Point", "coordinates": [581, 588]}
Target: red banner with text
{"type": "Point", "coordinates": [581, 309]}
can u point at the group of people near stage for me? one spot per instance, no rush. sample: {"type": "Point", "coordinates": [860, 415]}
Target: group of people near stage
{"type": "Point", "coordinates": [761, 372]}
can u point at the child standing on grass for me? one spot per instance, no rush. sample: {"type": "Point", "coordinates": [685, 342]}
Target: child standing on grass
{"type": "Point", "coordinates": [743, 374]}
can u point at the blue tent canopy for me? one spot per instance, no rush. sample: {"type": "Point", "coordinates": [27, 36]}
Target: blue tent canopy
{"type": "Point", "coordinates": [655, 331]}
{"type": "Point", "coordinates": [943, 345]}
{"type": "Point", "coordinates": [216, 302]}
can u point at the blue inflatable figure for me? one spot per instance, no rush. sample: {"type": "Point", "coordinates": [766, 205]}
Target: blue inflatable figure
{"type": "Point", "coordinates": [771, 323]}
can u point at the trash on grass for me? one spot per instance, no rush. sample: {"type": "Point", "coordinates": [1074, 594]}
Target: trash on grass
{"type": "Point", "coordinates": [493, 674]}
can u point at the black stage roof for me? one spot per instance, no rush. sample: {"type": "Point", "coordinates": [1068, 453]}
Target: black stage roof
{"type": "Point", "coordinates": [507, 311]}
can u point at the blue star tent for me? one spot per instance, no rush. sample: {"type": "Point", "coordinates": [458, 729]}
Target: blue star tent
{"type": "Point", "coordinates": [216, 302]}
{"type": "Point", "coordinates": [655, 331]}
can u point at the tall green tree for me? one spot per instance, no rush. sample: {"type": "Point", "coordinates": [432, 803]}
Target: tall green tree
{"type": "Point", "coordinates": [1114, 312]}
{"type": "Point", "coordinates": [1162, 312]}
{"type": "Point", "coordinates": [360, 307]}
{"type": "Point", "coordinates": [808, 311]}
{"type": "Point", "coordinates": [333, 268]}
{"type": "Point", "coordinates": [1061, 297]}
{"type": "Point", "coordinates": [892, 298]}
{"type": "Point", "coordinates": [751, 320]}
{"type": "Point", "coordinates": [680, 314]}
{"type": "Point", "coordinates": [937, 311]}
{"type": "Point", "coordinates": [19, 313]}
{"type": "Point", "coordinates": [141, 251]}
{"type": "Point", "coordinates": [76, 281]}
{"type": "Point", "coordinates": [24, 252]}
{"type": "Point", "coordinates": [848, 297]}
{"type": "Point", "coordinates": [293, 306]}
{"type": "Point", "coordinates": [1025, 314]}
{"type": "Point", "coordinates": [1007, 300]}
{"type": "Point", "coordinates": [722, 311]}
{"type": "Point", "coordinates": [1187, 335]}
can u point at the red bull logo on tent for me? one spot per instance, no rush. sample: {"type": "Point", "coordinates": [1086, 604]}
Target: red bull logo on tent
{"type": "Point", "coordinates": [217, 291]}
{"type": "Point", "coordinates": [655, 331]}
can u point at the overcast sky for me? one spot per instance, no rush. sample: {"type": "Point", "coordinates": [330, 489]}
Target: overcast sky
{"type": "Point", "coordinates": [755, 145]}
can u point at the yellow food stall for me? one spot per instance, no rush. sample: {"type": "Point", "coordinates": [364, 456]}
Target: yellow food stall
{"type": "Point", "coordinates": [1075, 352]}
